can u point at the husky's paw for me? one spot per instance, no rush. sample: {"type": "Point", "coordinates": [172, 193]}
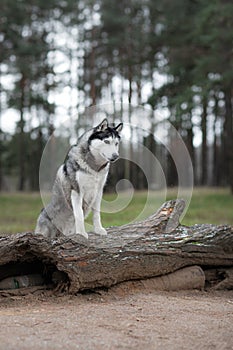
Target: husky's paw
{"type": "Point", "coordinates": [84, 234]}
{"type": "Point", "coordinates": [100, 231]}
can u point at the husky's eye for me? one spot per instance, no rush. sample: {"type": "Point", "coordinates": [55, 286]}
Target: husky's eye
{"type": "Point", "coordinates": [117, 143]}
{"type": "Point", "coordinates": [106, 141]}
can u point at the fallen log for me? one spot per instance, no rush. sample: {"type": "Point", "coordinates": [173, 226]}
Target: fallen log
{"type": "Point", "coordinates": [191, 277]}
{"type": "Point", "coordinates": [156, 246]}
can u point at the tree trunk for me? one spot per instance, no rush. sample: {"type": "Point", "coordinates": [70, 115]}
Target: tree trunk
{"type": "Point", "coordinates": [92, 69]}
{"type": "Point", "coordinates": [1, 133]}
{"type": "Point", "coordinates": [228, 136]}
{"type": "Point", "coordinates": [22, 175]}
{"type": "Point", "coordinates": [190, 145]}
{"type": "Point", "coordinates": [156, 246]}
{"type": "Point", "coordinates": [217, 145]}
{"type": "Point", "coordinates": [204, 144]}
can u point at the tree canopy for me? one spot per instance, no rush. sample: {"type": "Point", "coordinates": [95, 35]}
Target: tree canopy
{"type": "Point", "coordinates": [170, 56]}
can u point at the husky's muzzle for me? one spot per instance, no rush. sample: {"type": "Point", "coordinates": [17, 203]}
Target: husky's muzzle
{"type": "Point", "coordinates": [114, 157]}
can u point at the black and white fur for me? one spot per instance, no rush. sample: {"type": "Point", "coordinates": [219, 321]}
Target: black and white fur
{"type": "Point", "coordinates": [79, 183]}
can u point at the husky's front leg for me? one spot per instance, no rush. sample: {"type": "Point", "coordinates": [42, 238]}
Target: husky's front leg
{"type": "Point", "coordinates": [98, 228]}
{"type": "Point", "coordinates": [76, 200]}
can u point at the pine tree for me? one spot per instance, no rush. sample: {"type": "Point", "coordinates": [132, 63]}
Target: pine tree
{"type": "Point", "coordinates": [25, 28]}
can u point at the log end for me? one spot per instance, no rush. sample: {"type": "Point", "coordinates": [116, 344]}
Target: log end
{"type": "Point", "coordinates": [167, 217]}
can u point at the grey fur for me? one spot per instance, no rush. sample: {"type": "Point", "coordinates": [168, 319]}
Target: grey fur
{"type": "Point", "coordinates": [59, 215]}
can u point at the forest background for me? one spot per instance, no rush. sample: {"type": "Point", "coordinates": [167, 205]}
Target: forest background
{"type": "Point", "coordinates": [60, 58]}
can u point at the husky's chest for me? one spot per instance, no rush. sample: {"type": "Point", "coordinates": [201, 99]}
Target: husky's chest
{"type": "Point", "coordinates": [90, 185]}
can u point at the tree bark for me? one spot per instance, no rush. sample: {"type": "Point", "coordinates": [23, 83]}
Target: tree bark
{"type": "Point", "coordinates": [154, 247]}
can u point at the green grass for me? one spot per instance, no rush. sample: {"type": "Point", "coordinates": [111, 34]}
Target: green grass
{"type": "Point", "coordinates": [214, 206]}
{"type": "Point", "coordinates": [18, 212]}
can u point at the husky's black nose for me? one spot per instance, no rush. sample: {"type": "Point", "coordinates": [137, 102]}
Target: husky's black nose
{"type": "Point", "coordinates": [114, 157]}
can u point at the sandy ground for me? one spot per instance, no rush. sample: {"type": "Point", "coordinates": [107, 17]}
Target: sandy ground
{"type": "Point", "coordinates": [148, 320]}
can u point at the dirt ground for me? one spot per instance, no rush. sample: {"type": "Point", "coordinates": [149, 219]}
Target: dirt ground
{"type": "Point", "coordinates": [112, 320]}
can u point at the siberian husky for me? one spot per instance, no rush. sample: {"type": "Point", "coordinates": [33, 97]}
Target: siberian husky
{"type": "Point", "coordinates": [79, 183]}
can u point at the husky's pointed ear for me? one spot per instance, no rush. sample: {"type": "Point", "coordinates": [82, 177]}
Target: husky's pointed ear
{"type": "Point", "coordinates": [102, 126]}
{"type": "Point", "coordinates": [119, 127]}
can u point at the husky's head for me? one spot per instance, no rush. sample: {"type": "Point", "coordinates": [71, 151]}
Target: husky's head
{"type": "Point", "coordinates": [104, 141]}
